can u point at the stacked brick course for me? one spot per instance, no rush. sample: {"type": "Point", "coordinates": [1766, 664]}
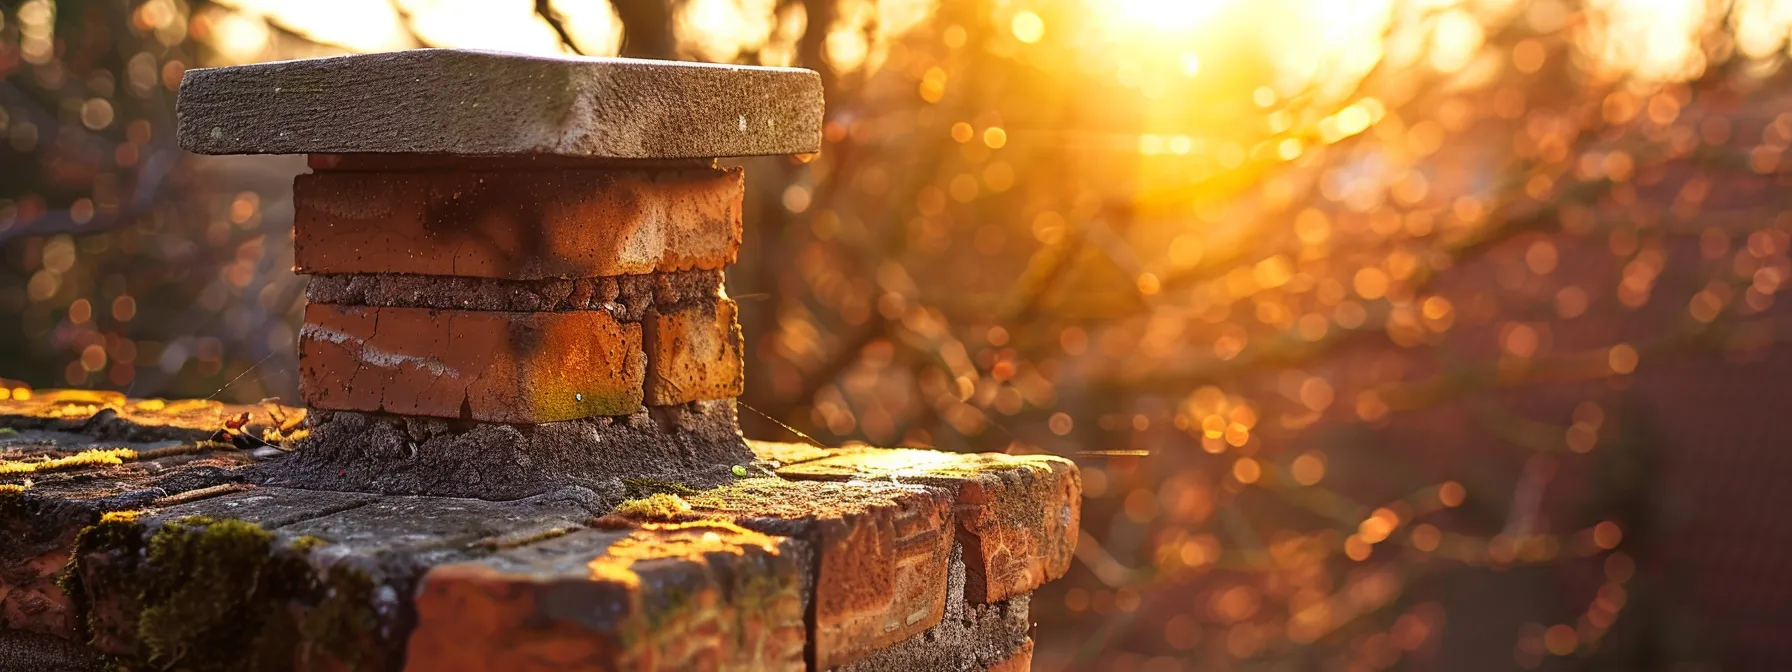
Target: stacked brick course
{"type": "Point", "coordinates": [525, 296]}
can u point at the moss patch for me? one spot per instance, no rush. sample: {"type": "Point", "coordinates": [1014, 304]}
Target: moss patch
{"type": "Point", "coordinates": [659, 506]}
{"type": "Point", "coordinates": [204, 593]}
{"type": "Point", "coordinates": [97, 457]}
{"type": "Point", "coordinates": [207, 594]}
{"type": "Point", "coordinates": [641, 487]}
{"type": "Point", "coordinates": [343, 626]}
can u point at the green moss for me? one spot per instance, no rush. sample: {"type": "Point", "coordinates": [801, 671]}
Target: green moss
{"type": "Point", "coordinates": [201, 588]}
{"type": "Point", "coordinates": [81, 580]}
{"type": "Point", "coordinates": [343, 626]}
{"type": "Point", "coordinates": [208, 594]}
{"type": "Point", "coordinates": [640, 487]}
{"type": "Point", "coordinates": [12, 504]}
{"type": "Point", "coordinates": [659, 506]}
{"type": "Point", "coordinates": [305, 543]}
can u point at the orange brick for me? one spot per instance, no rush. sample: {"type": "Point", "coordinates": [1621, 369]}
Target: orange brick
{"type": "Point", "coordinates": [1018, 516]}
{"type": "Point", "coordinates": [30, 599]}
{"type": "Point", "coordinates": [690, 596]}
{"type": "Point", "coordinates": [520, 225]}
{"type": "Point", "coordinates": [693, 353]}
{"type": "Point", "coordinates": [484, 365]}
{"type": "Point", "coordinates": [884, 552]}
{"type": "Point", "coordinates": [1018, 660]}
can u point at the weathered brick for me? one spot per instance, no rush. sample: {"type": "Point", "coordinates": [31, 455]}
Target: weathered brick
{"type": "Point", "coordinates": [1019, 660]}
{"type": "Point", "coordinates": [884, 551]}
{"type": "Point", "coordinates": [1018, 516]}
{"type": "Point", "coordinates": [704, 595]}
{"type": "Point", "coordinates": [519, 225]}
{"type": "Point", "coordinates": [484, 365]}
{"type": "Point", "coordinates": [693, 353]}
{"type": "Point", "coordinates": [34, 547]}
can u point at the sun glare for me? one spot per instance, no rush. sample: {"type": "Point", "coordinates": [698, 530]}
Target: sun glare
{"type": "Point", "coordinates": [1161, 15]}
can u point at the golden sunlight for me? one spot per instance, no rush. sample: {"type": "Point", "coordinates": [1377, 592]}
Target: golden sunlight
{"type": "Point", "coordinates": [1161, 15]}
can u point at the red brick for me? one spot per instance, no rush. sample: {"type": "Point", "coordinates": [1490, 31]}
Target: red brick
{"type": "Point", "coordinates": [1018, 516]}
{"type": "Point", "coordinates": [883, 549]}
{"type": "Point", "coordinates": [1018, 660]}
{"type": "Point", "coordinates": [521, 225]}
{"type": "Point", "coordinates": [30, 600]}
{"type": "Point", "coordinates": [693, 353]}
{"type": "Point", "coordinates": [485, 365]}
{"type": "Point", "coordinates": [683, 596]}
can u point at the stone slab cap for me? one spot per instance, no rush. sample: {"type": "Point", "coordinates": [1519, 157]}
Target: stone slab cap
{"type": "Point", "coordinates": [467, 102]}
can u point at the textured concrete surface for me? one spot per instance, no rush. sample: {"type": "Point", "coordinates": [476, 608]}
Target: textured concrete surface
{"type": "Point", "coordinates": [517, 224]}
{"type": "Point", "coordinates": [693, 353]}
{"type": "Point", "coordinates": [453, 101]}
{"type": "Point", "coordinates": [480, 365]}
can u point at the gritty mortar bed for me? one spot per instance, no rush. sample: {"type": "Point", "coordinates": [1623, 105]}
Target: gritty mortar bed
{"type": "Point", "coordinates": [627, 297]}
{"type": "Point", "coordinates": [696, 444]}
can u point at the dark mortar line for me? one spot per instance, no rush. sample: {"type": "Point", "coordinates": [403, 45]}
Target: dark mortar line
{"type": "Point", "coordinates": [322, 513]}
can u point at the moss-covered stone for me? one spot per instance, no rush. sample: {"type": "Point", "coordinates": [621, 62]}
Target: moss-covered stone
{"type": "Point", "coordinates": [201, 594]}
{"type": "Point", "coordinates": [209, 586]}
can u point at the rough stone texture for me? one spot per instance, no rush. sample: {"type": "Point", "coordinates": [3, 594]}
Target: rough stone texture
{"type": "Point", "coordinates": [683, 596]}
{"type": "Point", "coordinates": [110, 417]}
{"type": "Point", "coordinates": [693, 353]}
{"type": "Point", "coordinates": [694, 444]}
{"type": "Point", "coordinates": [386, 163]}
{"type": "Point", "coordinates": [280, 579]}
{"type": "Point", "coordinates": [969, 637]}
{"type": "Point", "coordinates": [197, 554]}
{"type": "Point", "coordinates": [883, 551]}
{"type": "Point", "coordinates": [628, 297]}
{"type": "Point", "coordinates": [780, 453]}
{"type": "Point", "coordinates": [452, 101]}
{"type": "Point", "coordinates": [480, 365]}
{"type": "Point", "coordinates": [1018, 660]}
{"type": "Point", "coordinates": [519, 224]}
{"type": "Point", "coordinates": [36, 652]}
{"type": "Point", "coordinates": [1018, 516]}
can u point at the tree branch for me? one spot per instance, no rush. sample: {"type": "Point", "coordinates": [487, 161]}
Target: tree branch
{"type": "Point", "coordinates": [544, 10]}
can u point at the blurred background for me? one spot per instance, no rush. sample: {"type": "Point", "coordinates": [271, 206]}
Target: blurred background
{"type": "Point", "coordinates": [1389, 334]}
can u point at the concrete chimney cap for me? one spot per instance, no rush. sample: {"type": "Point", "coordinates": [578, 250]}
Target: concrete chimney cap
{"type": "Point", "coordinates": [485, 103]}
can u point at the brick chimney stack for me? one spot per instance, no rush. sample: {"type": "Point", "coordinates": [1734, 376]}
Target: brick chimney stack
{"type": "Point", "coordinates": [503, 239]}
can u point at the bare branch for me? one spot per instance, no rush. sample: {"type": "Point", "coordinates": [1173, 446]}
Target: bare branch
{"type": "Point", "coordinates": [544, 10]}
